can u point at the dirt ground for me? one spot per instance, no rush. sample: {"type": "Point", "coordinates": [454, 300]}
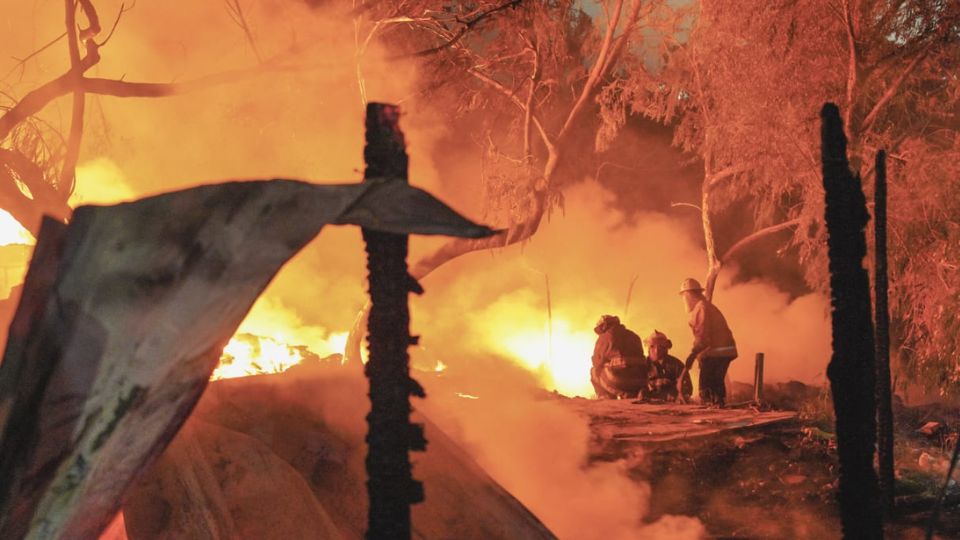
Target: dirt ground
{"type": "Point", "coordinates": [779, 481]}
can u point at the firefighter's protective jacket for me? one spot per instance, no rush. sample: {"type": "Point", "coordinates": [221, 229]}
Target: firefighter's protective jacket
{"type": "Point", "coordinates": [662, 378]}
{"type": "Point", "coordinates": [620, 345]}
{"type": "Point", "coordinates": [619, 365]}
{"type": "Point", "coordinates": [712, 337]}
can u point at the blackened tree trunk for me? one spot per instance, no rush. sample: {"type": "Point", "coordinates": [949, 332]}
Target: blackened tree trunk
{"type": "Point", "coordinates": [391, 436]}
{"type": "Point", "coordinates": [851, 370]}
{"type": "Point", "coordinates": [882, 322]}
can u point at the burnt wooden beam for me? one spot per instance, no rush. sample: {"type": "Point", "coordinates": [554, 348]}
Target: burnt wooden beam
{"type": "Point", "coordinates": [882, 323]}
{"type": "Point", "coordinates": [851, 369]}
{"type": "Point", "coordinates": [123, 318]}
{"type": "Point", "coordinates": [391, 436]}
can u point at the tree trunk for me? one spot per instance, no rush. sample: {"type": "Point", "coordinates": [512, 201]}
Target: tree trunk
{"type": "Point", "coordinates": [851, 370]}
{"type": "Point", "coordinates": [713, 262]}
{"type": "Point", "coordinates": [391, 436]}
{"type": "Point", "coordinates": [884, 397]}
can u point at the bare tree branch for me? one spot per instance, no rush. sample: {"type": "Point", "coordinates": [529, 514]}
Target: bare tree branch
{"type": "Point", "coordinates": [123, 9]}
{"type": "Point", "coordinates": [756, 235]}
{"type": "Point", "coordinates": [597, 72]}
{"type": "Point", "coordinates": [92, 19]}
{"type": "Point", "coordinates": [852, 63]}
{"type": "Point", "coordinates": [72, 155]}
{"type": "Point", "coordinates": [725, 173]}
{"type": "Point", "coordinates": [42, 198]}
{"type": "Point", "coordinates": [528, 112]}
{"type": "Point", "coordinates": [517, 233]}
{"type": "Point", "coordinates": [624, 37]}
{"type": "Point", "coordinates": [236, 12]}
{"type": "Point", "coordinates": [466, 25]}
{"type": "Point", "coordinates": [688, 205]}
{"type": "Point", "coordinates": [547, 139]}
{"type": "Point", "coordinates": [118, 88]}
{"type": "Point", "coordinates": [382, 23]}
{"type": "Point", "coordinates": [38, 98]}
{"type": "Point", "coordinates": [892, 89]}
{"type": "Point", "coordinates": [25, 59]}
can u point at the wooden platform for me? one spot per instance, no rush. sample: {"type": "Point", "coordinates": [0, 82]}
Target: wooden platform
{"type": "Point", "coordinates": [633, 422]}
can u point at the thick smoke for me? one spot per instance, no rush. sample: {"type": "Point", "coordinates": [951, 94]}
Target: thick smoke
{"type": "Point", "coordinates": [538, 450]}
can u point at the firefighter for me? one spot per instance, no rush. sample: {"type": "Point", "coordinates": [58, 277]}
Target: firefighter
{"type": "Point", "coordinates": [619, 367]}
{"type": "Point", "coordinates": [665, 371]}
{"type": "Point", "coordinates": [713, 344]}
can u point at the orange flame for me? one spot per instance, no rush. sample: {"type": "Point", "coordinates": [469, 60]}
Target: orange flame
{"type": "Point", "coordinates": [272, 338]}
{"type": "Point", "coordinates": [12, 232]}
{"type": "Point", "coordinates": [561, 357]}
{"type": "Point", "coordinates": [247, 355]}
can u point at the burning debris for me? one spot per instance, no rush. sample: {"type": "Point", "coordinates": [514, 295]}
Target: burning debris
{"type": "Point", "coordinates": [247, 354]}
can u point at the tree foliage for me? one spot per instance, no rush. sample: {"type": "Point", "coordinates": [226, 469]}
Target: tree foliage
{"type": "Point", "coordinates": [532, 70]}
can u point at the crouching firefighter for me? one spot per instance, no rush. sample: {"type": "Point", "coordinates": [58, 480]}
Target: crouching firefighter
{"type": "Point", "coordinates": [619, 367]}
{"type": "Point", "coordinates": [665, 371]}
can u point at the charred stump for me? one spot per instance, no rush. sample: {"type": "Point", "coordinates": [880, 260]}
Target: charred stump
{"type": "Point", "coordinates": [851, 370]}
{"type": "Point", "coordinates": [882, 324]}
{"type": "Point", "coordinates": [391, 436]}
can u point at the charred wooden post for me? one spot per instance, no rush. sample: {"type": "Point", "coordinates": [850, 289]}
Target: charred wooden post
{"type": "Point", "coordinates": [851, 370]}
{"type": "Point", "coordinates": [882, 323]}
{"type": "Point", "coordinates": [391, 436]}
{"type": "Point", "coordinates": [758, 379]}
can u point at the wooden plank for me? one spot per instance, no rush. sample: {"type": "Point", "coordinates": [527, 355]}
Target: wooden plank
{"type": "Point", "coordinates": [654, 423]}
{"type": "Point", "coordinates": [124, 319]}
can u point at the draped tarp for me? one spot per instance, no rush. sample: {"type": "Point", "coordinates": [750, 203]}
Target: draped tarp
{"type": "Point", "coordinates": [281, 456]}
{"type": "Point", "coordinates": [123, 317]}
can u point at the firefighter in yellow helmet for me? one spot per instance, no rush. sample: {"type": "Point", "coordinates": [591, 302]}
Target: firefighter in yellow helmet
{"type": "Point", "coordinates": [619, 367]}
{"type": "Point", "coordinates": [713, 344]}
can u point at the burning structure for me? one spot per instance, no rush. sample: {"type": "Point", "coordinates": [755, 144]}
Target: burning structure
{"type": "Point", "coordinates": [645, 123]}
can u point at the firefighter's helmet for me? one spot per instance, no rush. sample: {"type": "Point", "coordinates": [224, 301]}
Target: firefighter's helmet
{"type": "Point", "coordinates": [690, 284]}
{"type": "Point", "coordinates": [658, 337]}
{"type": "Point", "coordinates": [605, 323]}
